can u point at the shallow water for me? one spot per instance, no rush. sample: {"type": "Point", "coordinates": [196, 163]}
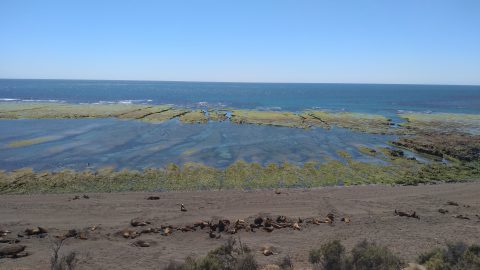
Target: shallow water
{"type": "Point", "coordinates": [95, 143]}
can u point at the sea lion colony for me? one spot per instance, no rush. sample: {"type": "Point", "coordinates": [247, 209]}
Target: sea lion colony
{"type": "Point", "coordinates": [214, 228]}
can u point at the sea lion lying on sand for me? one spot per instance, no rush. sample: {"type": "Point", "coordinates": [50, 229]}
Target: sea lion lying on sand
{"type": "Point", "coordinates": [14, 251]}
{"type": "Point", "coordinates": [405, 214]}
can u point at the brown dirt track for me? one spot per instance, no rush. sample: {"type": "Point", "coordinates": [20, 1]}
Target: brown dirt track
{"type": "Point", "coordinates": [371, 209]}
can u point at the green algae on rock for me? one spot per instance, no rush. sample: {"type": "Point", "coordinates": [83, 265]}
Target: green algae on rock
{"type": "Point", "coordinates": [217, 115]}
{"type": "Point", "coordinates": [442, 122]}
{"type": "Point", "coordinates": [165, 115]}
{"type": "Point", "coordinates": [271, 118]}
{"type": "Point", "coordinates": [61, 110]}
{"type": "Point", "coordinates": [370, 123]}
{"type": "Point", "coordinates": [242, 175]}
{"type": "Point", "coordinates": [197, 116]}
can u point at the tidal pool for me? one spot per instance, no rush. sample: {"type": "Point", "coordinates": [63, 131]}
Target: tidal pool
{"type": "Point", "coordinates": [93, 143]}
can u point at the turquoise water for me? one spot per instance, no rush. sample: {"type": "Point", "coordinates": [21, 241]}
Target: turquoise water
{"type": "Point", "coordinates": [371, 98]}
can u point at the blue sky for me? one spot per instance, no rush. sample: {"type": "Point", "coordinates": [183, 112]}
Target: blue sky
{"type": "Point", "coordinates": [383, 41]}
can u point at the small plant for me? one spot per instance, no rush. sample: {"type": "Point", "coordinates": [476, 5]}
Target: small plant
{"type": "Point", "coordinates": [286, 263]}
{"type": "Point", "coordinates": [65, 262]}
{"type": "Point", "coordinates": [229, 256]}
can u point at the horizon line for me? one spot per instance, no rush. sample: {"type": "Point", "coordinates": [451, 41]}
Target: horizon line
{"type": "Point", "coordinates": [240, 82]}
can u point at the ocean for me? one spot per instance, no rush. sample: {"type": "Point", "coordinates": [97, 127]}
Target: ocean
{"type": "Point", "coordinates": [81, 144]}
{"type": "Point", "coordinates": [386, 99]}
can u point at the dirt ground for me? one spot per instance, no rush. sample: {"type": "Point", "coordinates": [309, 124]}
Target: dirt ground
{"type": "Point", "coordinates": [370, 208]}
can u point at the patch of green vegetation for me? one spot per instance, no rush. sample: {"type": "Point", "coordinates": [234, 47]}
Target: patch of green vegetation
{"type": "Point", "coordinates": [217, 115]}
{"type": "Point", "coordinates": [191, 117]}
{"type": "Point", "coordinates": [366, 150]}
{"type": "Point", "coordinates": [441, 122]}
{"type": "Point", "coordinates": [165, 115]}
{"type": "Point", "coordinates": [370, 123]}
{"type": "Point", "coordinates": [272, 118]}
{"type": "Point", "coordinates": [22, 143]}
{"type": "Point", "coordinates": [229, 256]}
{"type": "Point", "coordinates": [454, 256]}
{"type": "Point", "coordinates": [143, 112]}
{"type": "Point", "coordinates": [242, 175]}
{"type": "Point", "coordinates": [61, 110]}
{"type": "Point", "coordinates": [364, 256]}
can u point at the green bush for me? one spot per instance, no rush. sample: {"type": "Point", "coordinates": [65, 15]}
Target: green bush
{"type": "Point", "coordinates": [456, 256]}
{"type": "Point", "coordinates": [229, 256]}
{"type": "Point", "coordinates": [369, 256]}
{"type": "Point", "coordinates": [329, 256]}
{"type": "Point", "coordinates": [365, 256]}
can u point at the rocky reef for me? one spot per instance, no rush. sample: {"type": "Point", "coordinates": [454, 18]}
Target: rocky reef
{"type": "Point", "coordinates": [450, 143]}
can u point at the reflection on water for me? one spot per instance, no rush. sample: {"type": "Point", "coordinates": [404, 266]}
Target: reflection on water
{"type": "Point", "coordinates": [94, 143]}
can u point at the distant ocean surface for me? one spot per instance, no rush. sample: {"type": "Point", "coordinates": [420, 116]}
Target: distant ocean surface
{"type": "Point", "coordinates": [369, 98]}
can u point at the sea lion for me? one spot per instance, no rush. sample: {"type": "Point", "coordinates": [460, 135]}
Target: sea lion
{"type": "Point", "coordinates": [11, 250]}
{"type": "Point", "coordinates": [316, 221]}
{"type": "Point", "coordinates": [346, 220]}
{"type": "Point", "coordinates": [167, 231]}
{"type": "Point", "coordinates": [223, 225]}
{"type": "Point", "coordinates": [9, 240]}
{"type": "Point", "coordinates": [201, 224]}
{"type": "Point", "coordinates": [141, 243]}
{"type": "Point", "coordinates": [70, 233]}
{"type": "Point", "coordinates": [186, 229]}
{"type": "Point", "coordinates": [268, 229]}
{"type": "Point", "coordinates": [35, 231]}
{"type": "Point", "coordinates": [213, 235]}
{"type": "Point", "coordinates": [404, 214]}
{"type": "Point", "coordinates": [331, 217]}
{"type": "Point", "coordinates": [268, 222]}
{"type": "Point", "coordinates": [442, 211]}
{"type": "Point", "coordinates": [281, 219]}
{"type": "Point", "coordinates": [461, 216]}
{"type": "Point", "coordinates": [147, 230]}
{"type": "Point", "coordinates": [128, 233]}
{"type": "Point", "coordinates": [296, 226]}
{"type": "Point", "coordinates": [138, 222]}
{"type": "Point", "coordinates": [258, 221]}
{"type": "Point", "coordinates": [153, 198]}
{"type": "Point", "coordinates": [82, 235]}
{"type": "Point", "coordinates": [267, 252]}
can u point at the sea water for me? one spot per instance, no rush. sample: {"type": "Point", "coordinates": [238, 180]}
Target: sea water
{"type": "Point", "coordinates": [93, 143]}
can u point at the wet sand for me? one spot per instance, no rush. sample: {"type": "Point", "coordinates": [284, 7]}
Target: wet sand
{"type": "Point", "coordinates": [370, 208]}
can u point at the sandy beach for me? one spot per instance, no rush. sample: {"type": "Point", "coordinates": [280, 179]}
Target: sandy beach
{"type": "Point", "coordinates": [370, 208]}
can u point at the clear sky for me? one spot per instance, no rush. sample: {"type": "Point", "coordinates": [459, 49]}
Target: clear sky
{"type": "Point", "coordinates": [357, 41]}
